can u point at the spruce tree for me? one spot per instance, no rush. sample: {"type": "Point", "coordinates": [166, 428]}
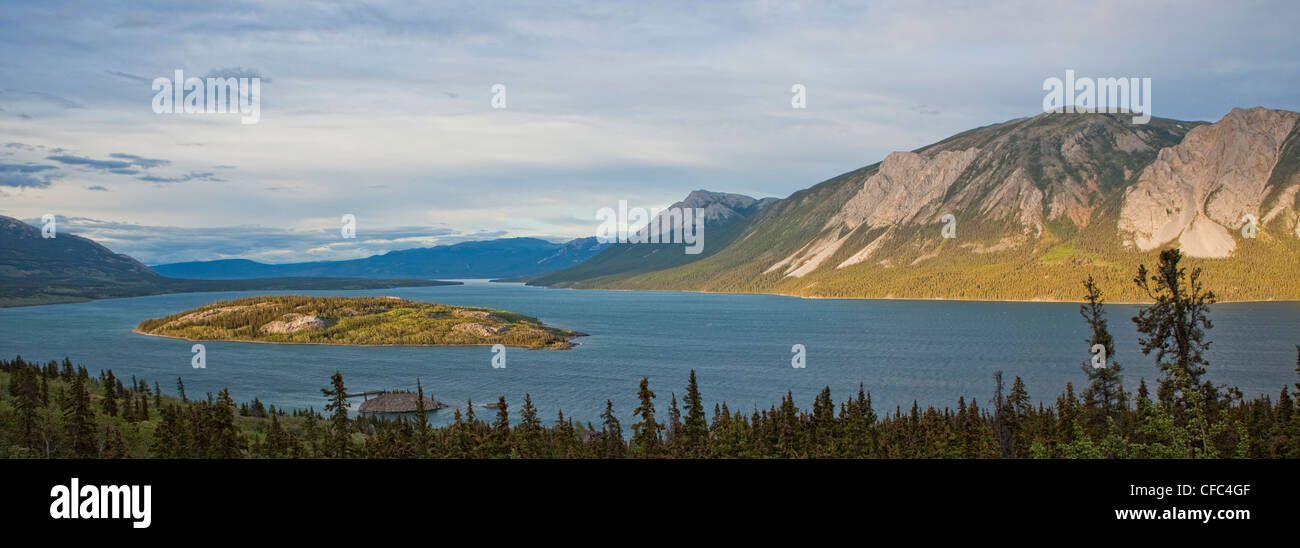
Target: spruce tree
{"type": "Point", "coordinates": [26, 392]}
{"type": "Point", "coordinates": [611, 433]}
{"type": "Point", "coordinates": [530, 429]}
{"type": "Point", "coordinates": [468, 436]}
{"type": "Point", "coordinates": [45, 389]}
{"type": "Point", "coordinates": [1002, 417]}
{"type": "Point", "coordinates": [822, 438]}
{"type": "Point", "coordinates": [114, 446]}
{"type": "Point", "coordinates": [226, 439]}
{"type": "Point", "coordinates": [673, 428]}
{"type": "Point", "coordinates": [565, 436]}
{"type": "Point", "coordinates": [1019, 398]}
{"type": "Point", "coordinates": [695, 431]}
{"type": "Point", "coordinates": [1174, 327]}
{"type": "Point", "coordinates": [340, 425]}
{"type": "Point", "coordinates": [171, 438]}
{"type": "Point", "coordinates": [109, 404]}
{"type": "Point", "coordinates": [645, 434]}
{"type": "Point", "coordinates": [422, 418]}
{"type": "Point", "coordinates": [311, 432]}
{"type": "Point", "coordinates": [277, 444]}
{"type": "Point", "coordinates": [80, 418]}
{"type": "Point", "coordinates": [1104, 382]}
{"type": "Point", "coordinates": [500, 441]}
{"type": "Point", "coordinates": [1017, 417]}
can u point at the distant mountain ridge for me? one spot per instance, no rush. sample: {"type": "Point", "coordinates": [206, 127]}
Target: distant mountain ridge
{"type": "Point", "coordinates": [69, 268]}
{"type": "Point", "coordinates": [500, 258]}
{"type": "Point", "coordinates": [1037, 204]}
{"type": "Point", "coordinates": [725, 216]}
{"type": "Point", "coordinates": [24, 253]}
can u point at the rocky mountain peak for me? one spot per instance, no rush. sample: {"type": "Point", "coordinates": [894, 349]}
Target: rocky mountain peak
{"type": "Point", "coordinates": [1019, 176]}
{"type": "Point", "coordinates": [722, 206]}
{"type": "Point", "coordinates": [1200, 191]}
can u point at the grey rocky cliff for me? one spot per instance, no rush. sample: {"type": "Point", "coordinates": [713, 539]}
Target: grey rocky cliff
{"type": "Point", "coordinates": [1199, 191]}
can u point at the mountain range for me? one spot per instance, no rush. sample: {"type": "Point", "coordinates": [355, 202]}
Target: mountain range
{"type": "Point", "coordinates": [725, 216]}
{"type": "Point", "coordinates": [1033, 205]}
{"type": "Point", "coordinates": [69, 268]}
{"type": "Point", "coordinates": [500, 258]}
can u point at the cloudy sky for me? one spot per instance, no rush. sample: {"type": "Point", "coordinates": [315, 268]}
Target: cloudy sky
{"type": "Point", "coordinates": [383, 109]}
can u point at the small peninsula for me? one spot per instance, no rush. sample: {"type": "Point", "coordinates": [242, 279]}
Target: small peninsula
{"type": "Point", "coordinates": [391, 321]}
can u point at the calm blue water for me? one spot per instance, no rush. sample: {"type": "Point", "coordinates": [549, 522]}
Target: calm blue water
{"type": "Point", "coordinates": [739, 345]}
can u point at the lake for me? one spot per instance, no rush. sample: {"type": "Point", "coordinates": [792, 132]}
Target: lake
{"type": "Point", "coordinates": [739, 346]}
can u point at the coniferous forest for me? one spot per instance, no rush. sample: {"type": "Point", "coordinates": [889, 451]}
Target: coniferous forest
{"type": "Point", "coordinates": [60, 410]}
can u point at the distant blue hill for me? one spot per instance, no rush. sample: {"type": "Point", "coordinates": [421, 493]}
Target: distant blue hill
{"type": "Point", "coordinates": [67, 268]}
{"type": "Point", "coordinates": [501, 258]}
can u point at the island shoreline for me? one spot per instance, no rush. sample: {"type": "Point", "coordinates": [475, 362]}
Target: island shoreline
{"type": "Point", "coordinates": [579, 334]}
{"type": "Point", "coordinates": [349, 344]}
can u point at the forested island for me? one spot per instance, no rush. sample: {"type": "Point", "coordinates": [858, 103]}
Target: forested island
{"type": "Point", "coordinates": [58, 410]}
{"type": "Point", "coordinates": [298, 319]}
